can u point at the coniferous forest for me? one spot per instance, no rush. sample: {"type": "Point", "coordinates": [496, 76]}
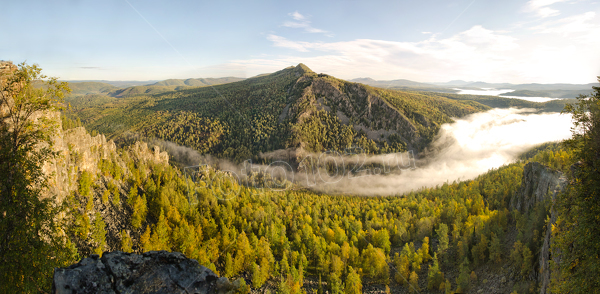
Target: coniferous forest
{"type": "Point", "coordinates": [458, 237]}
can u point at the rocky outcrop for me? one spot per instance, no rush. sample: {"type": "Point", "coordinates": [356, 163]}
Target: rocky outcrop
{"type": "Point", "coordinates": [151, 272]}
{"type": "Point", "coordinates": [540, 183]}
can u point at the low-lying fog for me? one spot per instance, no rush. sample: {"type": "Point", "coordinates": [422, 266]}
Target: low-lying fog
{"type": "Point", "coordinates": [470, 146]}
{"type": "Point", "coordinates": [465, 149]}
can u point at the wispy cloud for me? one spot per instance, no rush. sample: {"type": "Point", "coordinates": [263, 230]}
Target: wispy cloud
{"type": "Point", "coordinates": [474, 54]}
{"type": "Point", "coordinates": [301, 22]}
{"type": "Point", "coordinates": [541, 7]}
{"type": "Point", "coordinates": [282, 42]}
{"type": "Point", "coordinates": [581, 23]}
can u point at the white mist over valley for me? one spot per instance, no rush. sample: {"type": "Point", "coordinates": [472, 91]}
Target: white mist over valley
{"type": "Point", "coordinates": [465, 149]}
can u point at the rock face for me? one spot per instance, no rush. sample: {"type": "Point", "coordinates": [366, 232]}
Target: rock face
{"type": "Point", "coordinates": [539, 184]}
{"type": "Point", "coordinates": [151, 272]}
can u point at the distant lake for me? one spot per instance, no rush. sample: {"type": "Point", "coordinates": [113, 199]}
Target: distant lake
{"type": "Point", "coordinates": [497, 92]}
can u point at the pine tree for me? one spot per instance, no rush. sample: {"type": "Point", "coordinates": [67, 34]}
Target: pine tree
{"type": "Point", "coordinates": [160, 237]}
{"type": "Point", "coordinates": [335, 284]}
{"type": "Point", "coordinates": [495, 249]}
{"type": "Point", "coordinates": [353, 282]}
{"type": "Point", "coordinates": [229, 266]}
{"type": "Point", "coordinates": [133, 193]}
{"type": "Point", "coordinates": [434, 275]}
{"type": "Point", "coordinates": [139, 211]}
{"type": "Point", "coordinates": [463, 277]}
{"type": "Point", "coordinates": [257, 280]}
{"type": "Point", "coordinates": [414, 282]}
{"type": "Point", "coordinates": [442, 233]}
{"type": "Point", "coordinates": [126, 243]}
{"type": "Point", "coordinates": [145, 240]}
{"type": "Point", "coordinates": [99, 234]}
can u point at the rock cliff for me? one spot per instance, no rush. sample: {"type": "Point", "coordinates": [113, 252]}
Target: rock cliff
{"type": "Point", "coordinates": [151, 272]}
{"type": "Point", "coordinates": [540, 183]}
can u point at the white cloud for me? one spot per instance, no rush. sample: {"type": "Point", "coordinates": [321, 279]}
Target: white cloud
{"type": "Point", "coordinates": [475, 54]}
{"type": "Point", "coordinates": [296, 15]}
{"type": "Point", "coordinates": [302, 23]}
{"type": "Point", "coordinates": [571, 25]}
{"type": "Point", "coordinates": [279, 41]}
{"type": "Point", "coordinates": [540, 7]}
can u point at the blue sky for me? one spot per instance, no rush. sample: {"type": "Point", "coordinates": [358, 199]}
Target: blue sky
{"type": "Point", "coordinates": [543, 41]}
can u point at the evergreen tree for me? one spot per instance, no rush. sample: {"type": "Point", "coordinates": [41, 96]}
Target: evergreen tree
{"type": "Point", "coordinates": [353, 282]}
{"type": "Point", "coordinates": [434, 275]}
{"type": "Point", "coordinates": [414, 283]}
{"type": "Point", "coordinates": [29, 229]}
{"type": "Point", "coordinates": [99, 234]}
{"type": "Point", "coordinates": [577, 230]}
{"type": "Point", "coordinates": [126, 243]}
{"type": "Point", "coordinates": [495, 249]}
{"type": "Point", "coordinates": [463, 277]}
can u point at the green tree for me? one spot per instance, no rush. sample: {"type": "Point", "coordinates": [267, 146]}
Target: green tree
{"type": "Point", "coordinates": [126, 243]}
{"type": "Point", "coordinates": [463, 277]}
{"type": "Point", "coordinates": [353, 282]}
{"type": "Point", "coordinates": [527, 265]}
{"type": "Point", "coordinates": [414, 282]}
{"type": "Point", "coordinates": [257, 280]}
{"type": "Point", "coordinates": [374, 264]}
{"type": "Point", "coordinates": [229, 269]}
{"type": "Point", "coordinates": [30, 242]}
{"type": "Point", "coordinates": [442, 233]}
{"type": "Point", "coordinates": [133, 193]}
{"type": "Point", "coordinates": [99, 234]}
{"type": "Point", "coordinates": [495, 249]}
{"type": "Point", "coordinates": [434, 275]}
{"type": "Point", "coordinates": [85, 184]}
{"type": "Point", "coordinates": [577, 230]}
{"type": "Point", "coordinates": [139, 212]}
{"type": "Point", "coordinates": [160, 238]}
{"type": "Point", "coordinates": [335, 284]}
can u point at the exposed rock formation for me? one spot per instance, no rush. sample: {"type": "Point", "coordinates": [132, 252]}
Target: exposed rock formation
{"type": "Point", "coordinates": [151, 272]}
{"type": "Point", "coordinates": [540, 183]}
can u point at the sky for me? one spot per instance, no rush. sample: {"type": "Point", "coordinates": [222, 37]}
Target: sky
{"type": "Point", "coordinates": [537, 41]}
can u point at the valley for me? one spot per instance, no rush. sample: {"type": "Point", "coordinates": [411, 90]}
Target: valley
{"type": "Point", "coordinates": [117, 190]}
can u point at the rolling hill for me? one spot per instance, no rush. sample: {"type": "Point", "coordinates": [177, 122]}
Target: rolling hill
{"type": "Point", "coordinates": [291, 108]}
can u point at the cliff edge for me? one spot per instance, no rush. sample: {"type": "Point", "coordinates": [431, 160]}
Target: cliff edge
{"type": "Point", "coordinates": [150, 272]}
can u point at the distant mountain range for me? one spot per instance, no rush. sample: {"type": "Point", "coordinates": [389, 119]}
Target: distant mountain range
{"type": "Point", "coordinates": [131, 88]}
{"type": "Point", "coordinates": [291, 109]}
{"type": "Point", "coordinates": [522, 90]}
{"type": "Point", "coordinates": [120, 89]}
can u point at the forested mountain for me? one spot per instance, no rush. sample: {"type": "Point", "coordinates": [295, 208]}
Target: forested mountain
{"type": "Point", "coordinates": [66, 194]}
{"type": "Point", "coordinates": [402, 84]}
{"type": "Point", "coordinates": [291, 108]}
{"type": "Point", "coordinates": [83, 88]}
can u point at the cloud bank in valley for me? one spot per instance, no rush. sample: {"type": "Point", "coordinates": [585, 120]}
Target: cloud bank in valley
{"type": "Point", "coordinates": [465, 149]}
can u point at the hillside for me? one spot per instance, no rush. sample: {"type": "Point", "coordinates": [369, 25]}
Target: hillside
{"type": "Point", "coordinates": [491, 234]}
{"type": "Point", "coordinates": [83, 88]}
{"type": "Point", "coordinates": [291, 108]}
{"type": "Point", "coordinates": [171, 85]}
{"type": "Point", "coordinates": [197, 82]}
{"type": "Point", "coordinates": [402, 84]}
{"type": "Point", "coordinates": [548, 93]}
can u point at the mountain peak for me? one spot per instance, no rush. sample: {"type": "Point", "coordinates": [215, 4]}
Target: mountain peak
{"type": "Point", "coordinates": [302, 68]}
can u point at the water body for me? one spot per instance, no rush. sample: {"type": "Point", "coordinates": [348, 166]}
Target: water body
{"type": "Point", "coordinates": [497, 92]}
